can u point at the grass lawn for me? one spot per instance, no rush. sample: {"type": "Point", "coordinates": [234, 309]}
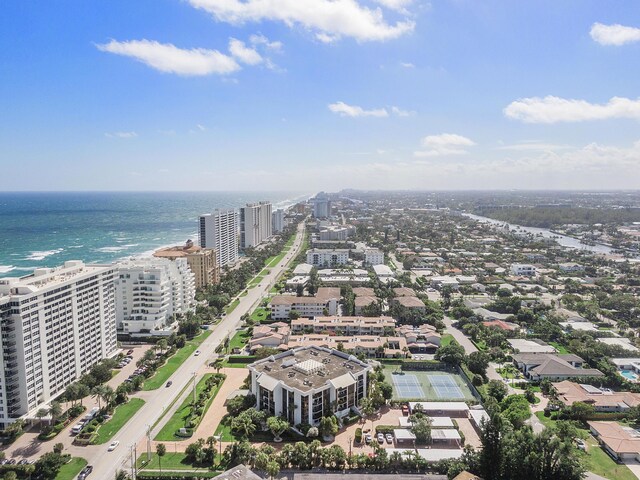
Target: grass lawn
{"type": "Point", "coordinates": [239, 340]}
{"type": "Point", "coordinates": [598, 462]}
{"type": "Point", "coordinates": [177, 420]}
{"type": "Point", "coordinates": [171, 461]}
{"type": "Point", "coordinates": [260, 314]}
{"type": "Point", "coordinates": [255, 281]}
{"type": "Point", "coordinates": [596, 459]}
{"type": "Point", "coordinates": [274, 290]}
{"type": "Point", "coordinates": [232, 306]}
{"type": "Point", "coordinates": [446, 339]}
{"type": "Point", "coordinates": [165, 371]}
{"type": "Point", "coordinates": [560, 348]}
{"type": "Point", "coordinates": [276, 260]}
{"type": "Point", "coordinates": [71, 470]}
{"type": "Point", "coordinates": [121, 416]}
{"type": "Point", "coordinates": [228, 436]}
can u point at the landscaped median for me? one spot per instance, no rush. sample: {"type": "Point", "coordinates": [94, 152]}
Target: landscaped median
{"type": "Point", "coordinates": [121, 415]}
{"type": "Point", "coordinates": [165, 371]}
{"type": "Point", "coordinates": [70, 470]}
{"type": "Point", "coordinates": [188, 416]}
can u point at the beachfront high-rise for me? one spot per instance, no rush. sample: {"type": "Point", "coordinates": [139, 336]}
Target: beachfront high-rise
{"type": "Point", "coordinates": [219, 230]}
{"type": "Point", "coordinates": [202, 261]}
{"type": "Point", "coordinates": [56, 324]}
{"type": "Point", "coordinates": [150, 292]}
{"type": "Point", "coordinates": [255, 224]}
{"type": "Point", "coordinates": [278, 220]}
{"type": "Point", "coordinates": [321, 205]}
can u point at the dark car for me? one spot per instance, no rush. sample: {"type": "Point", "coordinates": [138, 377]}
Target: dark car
{"type": "Point", "coordinates": [169, 383]}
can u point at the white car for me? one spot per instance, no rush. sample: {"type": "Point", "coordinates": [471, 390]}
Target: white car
{"type": "Point", "coordinates": [197, 353]}
{"type": "Point", "coordinates": [113, 446]}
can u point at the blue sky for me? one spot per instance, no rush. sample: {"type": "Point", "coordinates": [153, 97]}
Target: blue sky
{"type": "Point", "coordinates": [319, 94]}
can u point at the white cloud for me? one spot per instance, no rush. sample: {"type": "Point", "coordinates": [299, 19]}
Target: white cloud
{"type": "Point", "coordinates": [168, 58]}
{"type": "Point", "coordinates": [444, 144]}
{"type": "Point", "coordinates": [259, 39]}
{"type": "Point", "coordinates": [407, 65]}
{"type": "Point", "coordinates": [243, 53]}
{"type": "Point", "coordinates": [552, 109]}
{"type": "Point", "coordinates": [397, 5]}
{"type": "Point", "coordinates": [533, 146]}
{"type": "Point", "coordinates": [345, 110]}
{"type": "Point", "coordinates": [202, 128]}
{"type": "Point", "coordinates": [331, 18]}
{"type": "Point", "coordinates": [121, 135]}
{"type": "Point", "coordinates": [614, 34]}
{"type": "Point", "coordinates": [402, 113]}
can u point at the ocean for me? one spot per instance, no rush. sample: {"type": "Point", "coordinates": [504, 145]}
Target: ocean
{"type": "Point", "coordinates": [46, 229]}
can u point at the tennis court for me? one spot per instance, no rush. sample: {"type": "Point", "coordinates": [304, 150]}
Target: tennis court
{"type": "Point", "coordinates": [407, 385]}
{"type": "Point", "coordinates": [427, 385]}
{"type": "Point", "coordinates": [445, 386]}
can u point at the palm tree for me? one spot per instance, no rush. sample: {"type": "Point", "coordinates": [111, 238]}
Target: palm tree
{"type": "Point", "coordinates": [55, 410]}
{"type": "Point", "coordinates": [108, 395]}
{"type": "Point", "coordinates": [211, 441]}
{"type": "Point", "coordinates": [40, 414]}
{"type": "Point", "coordinates": [161, 450]}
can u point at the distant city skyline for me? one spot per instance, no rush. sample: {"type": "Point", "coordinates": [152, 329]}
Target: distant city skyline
{"type": "Point", "coordinates": [230, 95]}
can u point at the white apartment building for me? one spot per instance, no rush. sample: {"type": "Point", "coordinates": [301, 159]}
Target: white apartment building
{"type": "Point", "coordinates": [325, 257]}
{"type": "Point", "coordinates": [56, 324]}
{"type": "Point", "coordinates": [255, 224]}
{"type": "Point", "coordinates": [321, 206]}
{"type": "Point", "coordinates": [324, 303]}
{"type": "Point", "coordinates": [373, 256]}
{"type": "Point", "coordinates": [380, 326]}
{"type": "Point", "coordinates": [150, 292]}
{"type": "Point", "coordinates": [521, 269]}
{"type": "Point", "coordinates": [336, 233]}
{"type": "Point", "coordinates": [277, 221]}
{"type": "Point", "coordinates": [219, 230]}
{"type": "Point", "coordinates": [307, 383]}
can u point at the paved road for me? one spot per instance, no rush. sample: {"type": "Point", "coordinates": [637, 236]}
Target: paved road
{"type": "Point", "coordinates": [133, 433]}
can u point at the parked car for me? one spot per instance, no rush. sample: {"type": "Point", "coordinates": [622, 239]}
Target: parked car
{"type": "Point", "coordinates": [130, 351]}
{"type": "Point", "coordinates": [169, 383]}
{"type": "Point", "coordinates": [24, 461]}
{"type": "Point", "coordinates": [113, 446]}
{"type": "Point", "coordinates": [368, 438]}
{"type": "Point", "coordinates": [380, 438]}
{"type": "Point", "coordinates": [389, 438]}
{"type": "Point", "coordinates": [581, 445]}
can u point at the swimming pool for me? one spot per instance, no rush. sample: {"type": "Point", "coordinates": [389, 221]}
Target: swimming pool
{"type": "Point", "coordinates": [629, 375]}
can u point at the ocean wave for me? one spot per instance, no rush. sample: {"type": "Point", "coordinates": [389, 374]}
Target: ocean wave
{"type": "Point", "coordinates": [110, 249]}
{"type": "Point", "coordinates": [131, 245]}
{"type": "Point", "coordinates": [76, 246]}
{"type": "Point", "coordinates": [41, 255]}
{"type": "Point", "coordinates": [6, 268]}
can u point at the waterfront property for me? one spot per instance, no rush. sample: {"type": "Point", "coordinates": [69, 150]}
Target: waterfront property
{"type": "Point", "coordinates": [219, 231]}
{"type": "Point", "coordinates": [202, 262]}
{"type": "Point", "coordinates": [255, 224]}
{"type": "Point", "coordinates": [307, 383]}
{"type": "Point", "coordinates": [150, 292]}
{"type": "Point", "coordinates": [56, 324]}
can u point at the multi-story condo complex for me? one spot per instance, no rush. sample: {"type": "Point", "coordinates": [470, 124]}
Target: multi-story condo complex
{"type": "Point", "coordinates": [308, 383]}
{"type": "Point", "coordinates": [255, 224]}
{"type": "Point", "coordinates": [56, 324]}
{"type": "Point", "coordinates": [202, 262]}
{"type": "Point", "coordinates": [277, 221]}
{"type": "Point", "coordinates": [373, 256]}
{"type": "Point", "coordinates": [324, 303]}
{"type": "Point", "coordinates": [150, 292]}
{"type": "Point", "coordinates": [338, 233]}
{"type": "Point", "coordinates": [327, 258]}
{"type": "Point", "coordinates": [321, 205]}
{"type": "Point", "coordinates": [345, 325]}
{"type": "Point", "coordinates": [219, 230]}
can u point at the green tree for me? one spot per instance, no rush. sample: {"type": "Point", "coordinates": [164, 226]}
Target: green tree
{"type": "Point", "coordinates": [48, 466]}
{"type": "Point", "coordinates": [277, 425]}
{"type": "Point", "coordinates": [478, 362]}
{"type": "Point", "coordinates": [273, 469]}
{"type": "Point", "coordinates": [55, 410]}
{"type": "Point", "coordinates": [328, 426]}
{"type": "Point", "coordinates": [421, 428]}
{"type": "Point", "coordinates": [497, 389]}
{"type": "Point", "coordinates": [58, 447]}
{"type": "Point", "coordinates": [453, 354]}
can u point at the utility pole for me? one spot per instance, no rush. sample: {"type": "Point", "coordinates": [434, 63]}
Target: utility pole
{"type": "Point", "coordinates": [148, 443]}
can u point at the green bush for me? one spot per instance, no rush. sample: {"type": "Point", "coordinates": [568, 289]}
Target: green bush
{"type": "Point", "coordinates": [384, 429]}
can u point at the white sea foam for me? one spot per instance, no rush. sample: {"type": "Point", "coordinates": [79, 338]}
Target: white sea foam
{"type": "Point", "coordinates": [6, 268]}
{"type": "Point", "coordinates": [41, 255]}
{"type": "Point", "coordinates": [76, 246]}
{"type": "Point", "coordinates": [110, 249]}
{"type": "Point", "coordinates": [131, 245]}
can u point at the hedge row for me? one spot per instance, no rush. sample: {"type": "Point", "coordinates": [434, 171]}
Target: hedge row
{"type": "Point", "coordinates": [242, 359]}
